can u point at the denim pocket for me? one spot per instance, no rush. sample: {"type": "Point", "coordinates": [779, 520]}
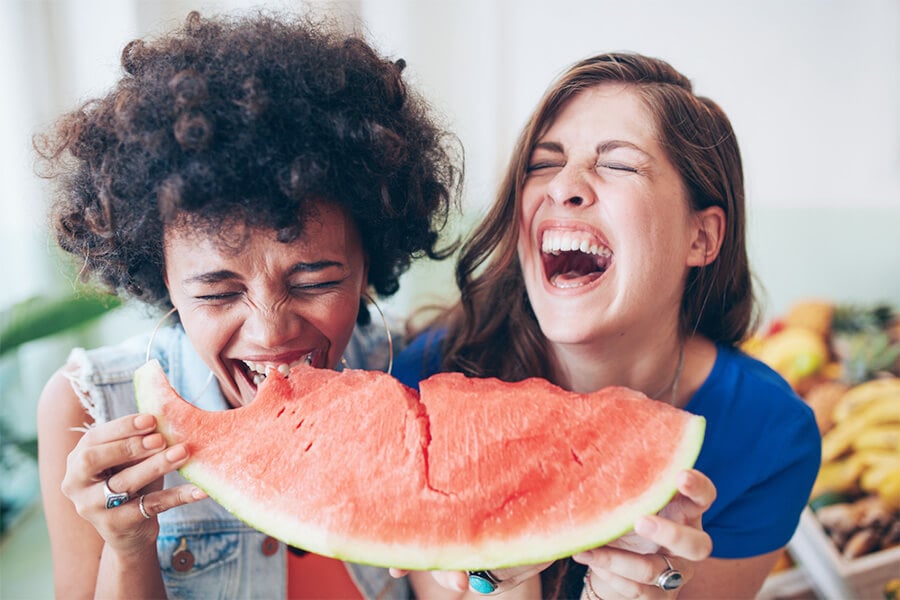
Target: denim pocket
{"type": "Point", "coordinates": [200, 565]}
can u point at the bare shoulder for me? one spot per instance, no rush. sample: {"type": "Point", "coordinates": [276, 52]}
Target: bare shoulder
{"type": "Point", "coordinates": [60, 414]}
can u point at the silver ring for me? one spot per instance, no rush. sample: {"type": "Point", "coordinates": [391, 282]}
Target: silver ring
{"type": "Point", "coordinates": [483, 582]}
{"type": "Point", "coordinates": [670, 579]}
{"type": "Point", "coordinates": [114, 499]}
{"type": "Point", "coordinates": [141, 506]}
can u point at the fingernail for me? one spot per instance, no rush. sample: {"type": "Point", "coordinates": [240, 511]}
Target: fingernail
{"type": "Point", "coordinates": [175, 454]}
{"type": "Point", "coordinates": [645, 527]}
{"type": "Point", "coordinates": [154, 440]}
{"type": "Point", "coordinates": [198, 494]}
{"type": "Point", "coordinates": [581, 557]}
{"type": "Point", "coordinates": [144, 422]}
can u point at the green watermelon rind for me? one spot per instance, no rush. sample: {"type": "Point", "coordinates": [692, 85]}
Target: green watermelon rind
{"type": "Point", "coordinates": [521, 550]}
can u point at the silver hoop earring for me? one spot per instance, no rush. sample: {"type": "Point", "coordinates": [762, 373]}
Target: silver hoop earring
{"type": "Point", "coordinates": [159, 323]}
{"type": "Point", "coordinates": [387, 331]}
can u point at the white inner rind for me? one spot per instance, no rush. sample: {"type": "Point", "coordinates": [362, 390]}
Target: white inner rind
{"type": "Point", "coordinates": [527, 547]}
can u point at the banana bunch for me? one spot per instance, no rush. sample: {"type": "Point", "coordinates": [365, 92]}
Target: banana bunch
{"type": "Point", "coordinates": [861, 451]}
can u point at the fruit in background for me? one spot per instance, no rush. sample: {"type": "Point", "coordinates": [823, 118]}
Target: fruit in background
{"type": "Point", "coordinates": [860, 527]}
{"type": "Point", "coordinates": [796, 353]}
{"type": "Point", "coordinates": [855, 396]}
{"type": "Point", "coordinates": [472, 474]}
{"type": "Point", "coordinates": [822, 398]}
{"type": "Point", "coordinates": [867, 393]}
{"type": "Point", "coordinates": [861, 452]}
{"type": "Point", "coordinates": [881, 437]}
{"type": "Point", "coordinates": [839, 476]}
{"type": "Point", "coordinates": [814, 315]}
{"type": "Point", "coordinates": [866, 341]}
{"type": "Point", "coordinates": [840, 438]}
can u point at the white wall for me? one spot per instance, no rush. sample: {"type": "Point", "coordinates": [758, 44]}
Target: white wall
{"type": "Point", "coordinates": [812, 87]}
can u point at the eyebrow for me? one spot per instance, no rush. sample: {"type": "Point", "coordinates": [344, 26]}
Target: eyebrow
{"type": "Point", "coordinates": [226, 275]}
{"type": "Point", "coordinates": [602, 147]}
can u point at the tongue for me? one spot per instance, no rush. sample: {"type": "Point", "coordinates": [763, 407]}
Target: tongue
{"type": "Point", "coordinates": [572, 279]}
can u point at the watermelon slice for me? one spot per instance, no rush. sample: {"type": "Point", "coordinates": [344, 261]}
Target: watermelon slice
{"type": "Point", "coordinates": [474, 474]}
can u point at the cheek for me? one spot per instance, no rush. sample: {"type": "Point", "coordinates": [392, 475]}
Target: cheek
{"type": "Point", "coordinates": [335, 321]}
{"type": "Point", "coordinates": [525, 217]}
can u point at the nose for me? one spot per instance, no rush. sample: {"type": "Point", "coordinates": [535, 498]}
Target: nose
{"type": "Point", "coordinates": [271, 326]}
{"type": "Point", "coordinates": [570, 186]}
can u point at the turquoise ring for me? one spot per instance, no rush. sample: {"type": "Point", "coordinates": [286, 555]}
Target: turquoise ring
{"type": "Point", "coordinates": [671, 578]}
{"type": "Point", "coordinates": [114, 499]}
{"type": "Point", "coordinates": [483, 582]}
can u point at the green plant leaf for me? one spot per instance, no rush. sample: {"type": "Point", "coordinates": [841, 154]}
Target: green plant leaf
{"type": "Point", "coordinates": [42, 316]}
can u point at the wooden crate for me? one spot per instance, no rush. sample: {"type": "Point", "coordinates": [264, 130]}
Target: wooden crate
{"type": "Point", "coordinates": [830, 574]}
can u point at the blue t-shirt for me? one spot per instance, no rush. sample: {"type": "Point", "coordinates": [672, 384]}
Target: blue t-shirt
{"type": "Point", "coordinates": [762, 447]}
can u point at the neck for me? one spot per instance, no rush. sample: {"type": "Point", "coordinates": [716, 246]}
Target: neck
{"type": "Point", "coordinates": [658, 372]}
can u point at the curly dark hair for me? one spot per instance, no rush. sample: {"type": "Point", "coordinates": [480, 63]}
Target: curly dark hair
{"type": "Point", "coordinates": [251, 119]}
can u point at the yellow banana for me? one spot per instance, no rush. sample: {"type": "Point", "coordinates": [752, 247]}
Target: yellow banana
{"type": "Point", "coordinates": [875, 475]}
{"type": "Point", "coordinates": [839, 439]}
{"type": "Point", "coordinates": [864, 394]}
{"type": "Point", "coordinates": [794, 352]}
{"type": "Point", "coordinates": [838, 476]}
{"type": "Point", "coordinates": [879, 437]}
{"type": "Point", "coordinates": [889, 489]}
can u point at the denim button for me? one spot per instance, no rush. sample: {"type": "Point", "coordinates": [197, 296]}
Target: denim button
{"type": "Point", "coordinates": [182, 558]}
{"type": "Point", "coordinates": [269, 546]}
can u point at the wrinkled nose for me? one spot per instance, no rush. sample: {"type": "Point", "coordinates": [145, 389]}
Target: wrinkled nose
{"type": "Point", "coordinates": [570, 187]}
{"type": "Point", "coordinates": [271, 327]}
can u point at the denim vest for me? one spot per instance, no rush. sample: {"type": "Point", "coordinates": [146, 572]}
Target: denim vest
{"type": "Point", "coordinates": [204, 552]}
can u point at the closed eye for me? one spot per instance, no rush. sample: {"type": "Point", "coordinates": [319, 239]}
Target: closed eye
{"type": "Point", "coordinates": [310, 287]}
{"type": "Point", "coordinates": [217, 297]}
{"type": "Point", "coordinates": [542, 166]}
{"type": "Point", "coordinates": [618, 167]}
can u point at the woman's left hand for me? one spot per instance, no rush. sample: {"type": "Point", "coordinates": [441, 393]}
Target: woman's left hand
{"type": "Point", "coordinates": [632, 566]}
{"type": "Point", "coordinates": [458, 581]}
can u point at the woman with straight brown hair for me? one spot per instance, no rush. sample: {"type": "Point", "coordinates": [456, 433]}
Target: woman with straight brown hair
{"type": "Point", "coordinates": [616, 255]}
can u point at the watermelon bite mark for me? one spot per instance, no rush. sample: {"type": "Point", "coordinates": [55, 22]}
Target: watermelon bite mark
{"type": "Point", "coordinates": [474, 474]}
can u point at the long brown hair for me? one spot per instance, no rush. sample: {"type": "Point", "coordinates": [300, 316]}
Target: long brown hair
{"type": "Point", "coordinates": [492, 330]}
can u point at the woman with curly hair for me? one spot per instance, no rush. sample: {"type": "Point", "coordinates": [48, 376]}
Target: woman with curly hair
{"type": "Point", "coordinates": [258, 177]}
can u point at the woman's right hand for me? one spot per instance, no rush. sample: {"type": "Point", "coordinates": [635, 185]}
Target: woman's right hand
{"type": "Point", "coordinates": [130, 456]}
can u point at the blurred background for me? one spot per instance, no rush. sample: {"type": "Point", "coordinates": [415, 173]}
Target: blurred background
{"type": "Point", "coordinates": [812, 88]}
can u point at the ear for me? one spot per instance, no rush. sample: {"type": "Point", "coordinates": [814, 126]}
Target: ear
{"type": "Point", "coordinates": [709, 230]}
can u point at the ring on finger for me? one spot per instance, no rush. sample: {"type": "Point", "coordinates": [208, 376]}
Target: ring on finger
{"type": "Point", "coordinates": [589, 587]}
{"type": "Point", "coordinates": [483, 582]}
{"type": "Point", "coordinates": [671, 578]}
{"type": "Point", "coordinates": [114, 499]}
{"type": "Point", "coordinates": [143, 510]}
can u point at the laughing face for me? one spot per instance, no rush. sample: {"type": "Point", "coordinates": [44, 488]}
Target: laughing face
{"type": "Point", "coordinates": [250, 303]}
{"type": "Point", "coordinates": [606, 234]}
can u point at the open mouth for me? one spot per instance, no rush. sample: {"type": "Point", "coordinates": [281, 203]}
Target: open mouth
{"type": "Point", "coordinates": [257, 372]}
{"type": "Point", "coordinates": [573, 258]}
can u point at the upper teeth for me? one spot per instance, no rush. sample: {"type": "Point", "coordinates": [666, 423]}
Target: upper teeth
{"type": "Point", "coordinates": [555, 242]}
{"type": "Point", "coordinates": [262, 370]}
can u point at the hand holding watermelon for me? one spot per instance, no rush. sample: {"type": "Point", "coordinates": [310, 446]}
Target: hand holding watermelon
{"type": "Point", "coordinates": [628, 566]}
{"type": "Point", "coordinates": [126, 454]}
{"type": "Point", "coordinates": [631, 565]}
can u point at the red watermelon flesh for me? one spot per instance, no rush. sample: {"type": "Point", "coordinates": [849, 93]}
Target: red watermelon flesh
{"type": "Point", "coordinates": [474, 474]}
